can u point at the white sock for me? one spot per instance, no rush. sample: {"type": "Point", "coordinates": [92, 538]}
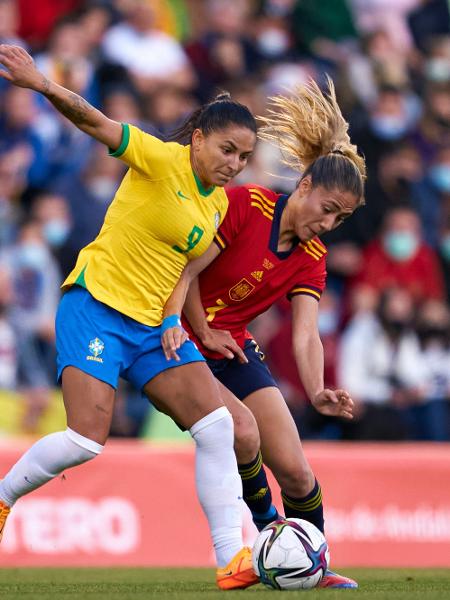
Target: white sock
{"type": "Point", "coordinates": [46, 459]}
{"type": "Point", "coordinates": [219, 485]}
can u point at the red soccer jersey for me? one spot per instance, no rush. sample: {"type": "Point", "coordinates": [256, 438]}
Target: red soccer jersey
{"type": "Point", "coordinates": [250, 274]}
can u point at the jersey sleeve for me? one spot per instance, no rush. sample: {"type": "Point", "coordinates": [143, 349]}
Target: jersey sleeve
{"type": "Point", "coordinates": [144, 152]}
{"type": "Point", "coordinates": [312, 278]}
{"type": "Point", "coordinates": [235, 218]}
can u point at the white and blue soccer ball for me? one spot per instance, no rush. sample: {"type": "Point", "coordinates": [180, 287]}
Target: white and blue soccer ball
{"type": "Point", "coordinates": [290, 554]}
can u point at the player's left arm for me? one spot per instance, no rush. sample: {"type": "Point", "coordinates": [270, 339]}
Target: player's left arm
{"type": "Point", "coordinates": [173, 335]}
{"type": "Point", "coordinates": [308, 353]}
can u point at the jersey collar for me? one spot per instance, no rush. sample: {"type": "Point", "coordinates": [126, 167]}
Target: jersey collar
{"type": "Point", "coordinates": [201, 188]}
{"type": "Point", "coordinates": [275, 231]}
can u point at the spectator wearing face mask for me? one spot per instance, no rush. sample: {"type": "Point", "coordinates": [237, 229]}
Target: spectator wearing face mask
{"type": "Point", "coordinates": [88, 197]}
{"type": "Point", "coordinates": [391, 118]}
{"type": "Point", "coordinates": [400, 257]}
{"type": "Point", "coordinates": [53, 214]}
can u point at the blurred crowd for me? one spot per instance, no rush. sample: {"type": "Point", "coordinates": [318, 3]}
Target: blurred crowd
{"type": "Point", "coordinates": [384, 318]}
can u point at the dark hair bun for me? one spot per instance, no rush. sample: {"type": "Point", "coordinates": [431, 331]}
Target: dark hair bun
{"type": "Point", "coordinates": [223, 97]}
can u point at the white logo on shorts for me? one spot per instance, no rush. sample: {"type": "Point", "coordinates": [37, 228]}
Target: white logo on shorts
{"type": "Point", "coordinates": [96, 347]}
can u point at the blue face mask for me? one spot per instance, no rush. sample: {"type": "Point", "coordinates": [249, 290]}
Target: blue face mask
{"type": "Point", "coordinates": [327, 322]}
{"type": "Point", "coordinates": [445, 247]}
{"type": "Point", "coordinates": [400, 245]}
{"type": "Point", "coordinates": [33, 255]}
{"type": "Point", "coordinates": [440, 177]}
{"type": "Point", "coordinates": [387, 127]}
{"type": "Point", "coordinates": [56, 232]}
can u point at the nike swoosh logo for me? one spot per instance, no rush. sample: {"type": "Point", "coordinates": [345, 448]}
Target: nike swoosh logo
{"type": "Point", "coordinates": [179, 193]}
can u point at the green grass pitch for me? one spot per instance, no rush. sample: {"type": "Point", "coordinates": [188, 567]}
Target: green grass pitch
{"type": "Point", "coordinates": [198, 584]}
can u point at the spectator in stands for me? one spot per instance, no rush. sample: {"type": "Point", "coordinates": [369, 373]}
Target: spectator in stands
{"type": "Point", "coordinates": [433, 129]}
{"type": "Point", "coordinates": [377, 364]}
{"type": "Point", "coordinates": [11, 186]}
{"type": "Point", "coordinates": [20, 130]}
{"type": "Point", "coordinates": [431, 17]}
{"type": "Point", "coordinates": [53, 214]}
{"type": "Point", "coordinates": [431, 195]}
{"type": "Point", "coordinates": [167, 108]}
{"type": "Point", "coordinates": [88, 197]}
{"type": "Point", "coordinates": [400, 257]}
{"type": "Point", "coordinates": [225, 51]}
{"type": "Point", "coordinates": [429, 416]}
{"type": "Point", "coordinates": [444, 251]}
{"type": "Point", "coordinates": [9, 23]}
{"type": "Point", "coordinates": [151, 56]}
{"type": "Point", "coordinates": [8, 339]}
{"type": "Point", "coordinates": [35, 279]}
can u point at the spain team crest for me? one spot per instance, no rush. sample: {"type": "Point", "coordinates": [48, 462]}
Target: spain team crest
{"type": "Point", "coordinates": [241, 290]}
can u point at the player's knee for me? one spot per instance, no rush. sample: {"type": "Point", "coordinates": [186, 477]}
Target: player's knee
{"type": "Point", "coordinates": [246, 437]}
{"type": "Point", "coordinates": [82, 448]}
{"type": "Point", "coordinates": [296, 480]}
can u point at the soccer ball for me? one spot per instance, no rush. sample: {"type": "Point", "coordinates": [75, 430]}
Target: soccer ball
{"type": "Point", "coordinates": [290, 554]}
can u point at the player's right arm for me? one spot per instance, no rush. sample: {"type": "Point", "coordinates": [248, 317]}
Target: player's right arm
{"type": "Point", "coordinates": [21, 71]}
{"type": "Point", "coordinates": [186, 297]}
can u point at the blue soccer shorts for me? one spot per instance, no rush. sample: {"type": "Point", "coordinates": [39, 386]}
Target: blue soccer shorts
{"type": "Point", "coordinates": [106, 344]}
{"type": "Point", "coordinates": [243, 379]}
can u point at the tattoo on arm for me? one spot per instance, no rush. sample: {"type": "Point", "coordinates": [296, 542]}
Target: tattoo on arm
{"type": "Point", "coordinates": [46, 85]}
{"type": "Point", "coordinates": [72, 106]}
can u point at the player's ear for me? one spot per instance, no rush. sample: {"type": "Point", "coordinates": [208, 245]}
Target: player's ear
{"type": "Point", "coordinates": [305, 185]}
{"type": "Point", "coordinates": [197, 138]}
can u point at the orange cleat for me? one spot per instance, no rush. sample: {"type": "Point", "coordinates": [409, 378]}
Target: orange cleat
{"type": "Point", "coordinates": [4, 512]}
{"type": "Point", "coordinates": [238, 573]}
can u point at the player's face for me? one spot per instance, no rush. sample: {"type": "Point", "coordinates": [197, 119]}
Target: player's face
{"type": "Point", "coordinates": [221, 155]}
{"type": "Point", "coordinates": [320, 210]}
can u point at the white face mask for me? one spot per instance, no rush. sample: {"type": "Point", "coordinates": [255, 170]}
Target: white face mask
{"type": "Point", "coordinates": [56, 232]}
{"type": "Point", "coordinates": [273, 42]}
{"type": "Point", "coordinates": [103, 188]}
{"type": "Point", "coordinates": [33, 255]}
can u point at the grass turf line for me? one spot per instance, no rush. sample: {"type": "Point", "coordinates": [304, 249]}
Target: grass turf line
{"type": "Point", "coordinates": [193, 584]}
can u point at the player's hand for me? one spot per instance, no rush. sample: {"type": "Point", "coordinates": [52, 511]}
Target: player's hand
{"type": "Point", "coordinates": [223, 342]}
{"type": "Point", "coordinates": [20, 68]}
{"type": "Point", "coordinates": [334, 403]}
{"type": "Point", "coordinates": [171, 340]}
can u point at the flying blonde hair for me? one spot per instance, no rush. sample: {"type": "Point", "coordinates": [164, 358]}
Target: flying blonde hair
{"type": "Point", "coordinates": [309, 124]}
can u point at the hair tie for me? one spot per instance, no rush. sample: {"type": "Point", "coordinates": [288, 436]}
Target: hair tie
{"type": "Point", "coordinates": [337, 151]}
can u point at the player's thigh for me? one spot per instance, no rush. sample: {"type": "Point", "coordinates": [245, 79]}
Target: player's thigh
{"type": "Point", "coordinates": [89, 404]}
{"type": "Point", "coordinates": [280, 442]}
{"type": "Point", "coordinates": [246, 434]}
{"type": "Point", "coordinates": [186, 393]}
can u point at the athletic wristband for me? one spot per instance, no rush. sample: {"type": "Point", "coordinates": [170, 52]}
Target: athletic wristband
{"type": "Point", "coordinates": [169, 322]}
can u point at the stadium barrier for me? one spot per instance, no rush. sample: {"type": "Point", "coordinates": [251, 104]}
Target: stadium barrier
{"type": "Point", "coordinates": [386, 505]}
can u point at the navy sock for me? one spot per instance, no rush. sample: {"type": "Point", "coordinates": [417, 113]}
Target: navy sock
{"type": "Point", "coordinates": [256, 492]}
{"type": "Point", "coordinates": [309, 507]}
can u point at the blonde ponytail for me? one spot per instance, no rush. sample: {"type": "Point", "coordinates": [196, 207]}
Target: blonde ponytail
{"type": "Point", "coordinates": [308, 125]}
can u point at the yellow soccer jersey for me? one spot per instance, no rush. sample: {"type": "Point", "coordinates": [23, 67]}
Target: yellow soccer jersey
{"type": "Point", "coordinates": [160, 218]}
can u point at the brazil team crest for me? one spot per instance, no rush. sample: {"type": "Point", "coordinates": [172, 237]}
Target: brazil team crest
{"type": "Point", "coordinates": [96, 347]}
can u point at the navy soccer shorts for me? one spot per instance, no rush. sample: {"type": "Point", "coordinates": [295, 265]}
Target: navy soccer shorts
{"type": "Point", "coordinates": [243, 379]}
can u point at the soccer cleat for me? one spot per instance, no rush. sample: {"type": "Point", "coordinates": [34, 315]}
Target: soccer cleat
{"type": "Point", "coordinates": [333, 580]}
{"type": "Point", "coordinates": [4, 512]}
{"type": "Point", "coordinates": [238, 573]}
